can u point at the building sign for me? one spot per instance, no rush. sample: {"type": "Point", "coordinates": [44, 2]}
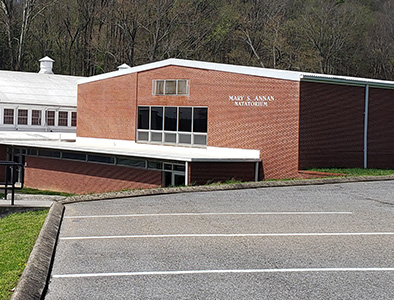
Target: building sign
{"type": "Point", "coordinates": [261, 101]}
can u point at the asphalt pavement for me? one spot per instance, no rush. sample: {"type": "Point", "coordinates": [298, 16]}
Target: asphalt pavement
{"type": "Point", "coordinates": [305, 242]}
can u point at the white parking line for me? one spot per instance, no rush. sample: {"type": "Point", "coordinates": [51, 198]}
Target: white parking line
{"type": "Point", "coordinates": [213, 214]}
{"type": "Point", "coordinates": [227, 235]}
{"type": "Point", "coordinates": [191, 272]}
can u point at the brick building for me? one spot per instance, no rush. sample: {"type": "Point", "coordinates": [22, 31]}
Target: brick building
{"type": "Point", "coordinates": [179, 122]}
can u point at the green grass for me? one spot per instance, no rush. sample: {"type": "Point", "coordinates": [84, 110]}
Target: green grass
{"type": "Point", "coordinates": [356, 171]}
{"type": "Point", "coordinates": [43, 192]}
{"type": "Point", "coordinates": [18, 233]}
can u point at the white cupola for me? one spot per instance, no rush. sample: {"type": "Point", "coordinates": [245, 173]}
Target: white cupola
{"type": "Point", "coordinates": [124, 67]}
{"type": "Point", "coordinates": [46, 65]}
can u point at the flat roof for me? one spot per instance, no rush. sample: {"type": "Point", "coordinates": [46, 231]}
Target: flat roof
{"type": "Point", "coordinates": [27, 88]}
{"type": "Point", "coordinates": [68, 142]}
{"type": "Point", "coordinates": [253, 71]}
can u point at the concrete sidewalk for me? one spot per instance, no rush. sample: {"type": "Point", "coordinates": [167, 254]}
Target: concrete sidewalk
{"type": "Point", "coordinates": [28, 200]}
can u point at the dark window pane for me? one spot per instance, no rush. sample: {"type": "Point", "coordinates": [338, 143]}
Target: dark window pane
{"type": "Point", "coordinates": [170, 119]}
{"type": "Point", "coordinates": [185, 119]}
{"type": "Point", "coordinates": [36, 117]}
{"type": "Point", "coordinates": [156, 118]}
{"type": "Point", "coordinates": [49, 153]}
{"type": "Point", "coordinates": [143, 117]}
{"type": "Point", "coordinates": [50, 117]}
{"type": "Point", "coordinates": [73, 118]}
{"type": "Point", "coordinates": [155, 165]}
{"type": "Point", "coordinates": [101, 159]}
{"type": "Point", "coordinates": [179, 168]}
{"type": "Point", "coordinates": [31, 152]}
{"type": "Point", "coordinates": [74, 156]}
{"type": "Point", "coordinates": [200, 120]}
{"type": "Point", "coordinates": [8, 116]}
{"type": "Point", "coordinates": [131, 162]}
{"type": "Point", "coordinates": [22, 116]}
{"type": "Point", "coordinates": [63, 118]}
{"type": "Point", "coordinates": [170, 87]}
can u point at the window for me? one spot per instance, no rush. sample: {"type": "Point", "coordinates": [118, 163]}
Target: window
{"type": "Point", "coordinates": [143, 117]}
{"type": "Point", "coordinates": [8, 116]}
{"type": "Point", "coordinates": [156, 120]}
{"type": "Point", "coordinates": [185, 119]}
{"type": "Point", "coordinates": [63, 118]}
{"type": "Point", "coordinates": [131, 162]}
{"type": "Point", "coordinates": [200, 120]}
{"type": "Point", "coordinates": [101, 159]}
{"type": "Point", "coordinates": [74, 156]}
{"type": "Point", "coordinates": [36, 117]}
{"type": "Point", "coordinates": [49, 153]}
{"type": "Point", "coordinates": [171, 87]}
{"type": "Point", "coordinates": [172, 125]}
{"type": "Point", "coordinates": [50, 117]}
{"type": "Point", "coordinates": [73, 118]}
{"type": "Point", "coordinates": [22, 116]}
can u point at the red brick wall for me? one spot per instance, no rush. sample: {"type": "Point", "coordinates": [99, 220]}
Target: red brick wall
{"type": "Point", "coordinates": [381, 128]}
{"type": "Point", "coordinates": [83, 178]}
{"type": "Point", "coordinates": [107, 108]}
{"type": "Point", "coordinates": [331, 125]}
{"type": "Point", "coordinates": [273, 129]}
{"type": "Point", "coordinates": [202, 173]}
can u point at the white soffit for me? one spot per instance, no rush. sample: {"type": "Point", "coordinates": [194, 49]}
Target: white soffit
{"type": "Point", "coordinates": [245, 70]}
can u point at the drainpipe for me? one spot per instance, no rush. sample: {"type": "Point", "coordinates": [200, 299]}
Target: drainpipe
{"type": "Point", "coordinates": [366, 126]}
{"type": "Point", "coordinates": [256, 172]}
{"type": "Point", "coordinates": [186, 173]}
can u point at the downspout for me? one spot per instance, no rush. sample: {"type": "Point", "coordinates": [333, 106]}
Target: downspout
{"type": "Point", "coordinates": [256, 172]}
{"type": "Point", "coordinates": [186, 173]}
{"type": "Point", "coordinates": [366, 126]}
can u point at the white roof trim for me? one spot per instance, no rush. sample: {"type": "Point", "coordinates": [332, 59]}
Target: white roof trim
{"type": "Point", "coordinates": [252, 71]}
{"type": "Point", "coordinates": [131, 149]}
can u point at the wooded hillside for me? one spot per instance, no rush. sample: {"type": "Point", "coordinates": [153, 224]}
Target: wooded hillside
{"type": "Point", "coordinates": [344, 37]}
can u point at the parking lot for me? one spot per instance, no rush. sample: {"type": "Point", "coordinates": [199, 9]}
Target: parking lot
{"type": "Point", "coordinates": [311, 242]}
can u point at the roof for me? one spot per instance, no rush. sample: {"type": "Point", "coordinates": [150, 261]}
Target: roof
{"type": "Point", "coordinates": [68, 142]}
{"type": "Point", "coordinates": [23, 88]}
{"type": "Point", "coordinates": [253, 71]}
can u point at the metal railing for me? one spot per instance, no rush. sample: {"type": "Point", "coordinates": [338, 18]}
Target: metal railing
{"type": "Point", "coordinates": [13, 178]}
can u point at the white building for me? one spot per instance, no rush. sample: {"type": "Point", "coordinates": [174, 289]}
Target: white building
{"type": "Point", "coordinates": [38, 102]}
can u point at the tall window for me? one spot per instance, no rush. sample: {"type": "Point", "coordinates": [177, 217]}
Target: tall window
{"type": "Point", "coordinates": [74, 118]}
{"type": "Point", "coordinates": [50, 118]}
{"type": "Point", "coordinates": [173, 125]}
{"type": "Point", "coordinates": [8, 116]}
{"type": "Point", "coordinates": [171, 87]}
{"type": "Point", "coordinates": [63, 118]}
{"type": "Point", "coordinates": [36, 117]}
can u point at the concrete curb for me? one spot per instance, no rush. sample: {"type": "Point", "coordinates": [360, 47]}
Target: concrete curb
{"type": "Point", "coordinates": [222, 187]}
{"type": "Point", "coordinates": [33, 282]}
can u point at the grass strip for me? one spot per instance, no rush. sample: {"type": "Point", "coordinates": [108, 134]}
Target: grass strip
{"type": "Point", "coordinates": [31, 191]}
{"type": "Point", "coordinates": [356, 171]}
{"type": "Point", "coordinates": [18, 233]}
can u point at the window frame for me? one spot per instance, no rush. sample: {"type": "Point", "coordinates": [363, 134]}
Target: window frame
{"type": "Point", "coordinates": [21, 118]}
{"type": "Point", "coordinates": [36, 121]}
{"type": "Point", "coordinates": [164, 82]}
{"type": "Point", "coordinates": [171, 137]}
